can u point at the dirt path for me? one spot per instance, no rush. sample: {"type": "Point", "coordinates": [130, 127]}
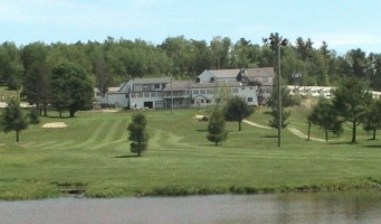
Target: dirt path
{"type": "Point", "coordinates": [292, 130]}
{"type": "Point", "coordinates": [302, 135]}
{"type": "Point", "coordinates": [255, 124]}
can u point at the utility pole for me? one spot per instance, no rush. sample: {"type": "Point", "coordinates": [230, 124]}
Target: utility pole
{"type": "Point", "coordinates": [279, 43]}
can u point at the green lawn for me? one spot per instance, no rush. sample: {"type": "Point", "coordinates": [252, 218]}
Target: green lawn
{"type": "Point", "coordinates": [92, 156]}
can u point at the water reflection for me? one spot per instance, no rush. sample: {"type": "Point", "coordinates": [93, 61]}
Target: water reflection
{"type": "Point", "coordinates": [334, 207]}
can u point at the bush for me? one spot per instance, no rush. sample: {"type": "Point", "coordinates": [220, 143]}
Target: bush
{"type": "Point", "coordinates": [34, 116]}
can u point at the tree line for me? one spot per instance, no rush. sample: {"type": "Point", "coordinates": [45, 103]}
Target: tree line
{"type": "Point", "coordinates": [113, 61]}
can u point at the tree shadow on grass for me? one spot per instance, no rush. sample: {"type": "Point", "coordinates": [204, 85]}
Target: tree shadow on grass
{"type": "Point", "coordinates": [269, 136]}
{"type": "Point", "coordinates": [342, 143]}
{"type": "Point", "coordinates": [58, 117]}
{"type": "Point", "coordinates": [373, 146]}
{"type": "Point", "coordinates": [126, 156]}
{"type": "Point", "coordinates": [201, 130]}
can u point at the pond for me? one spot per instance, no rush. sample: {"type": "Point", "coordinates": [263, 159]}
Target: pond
{"type": "Point", "coordinates": [332, 207]}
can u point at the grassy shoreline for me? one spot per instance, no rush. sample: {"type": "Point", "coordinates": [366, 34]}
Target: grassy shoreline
{"type": "Point", "coordinates": [91, 158]}
{"type": "Point", "coordinates": [33, 190]}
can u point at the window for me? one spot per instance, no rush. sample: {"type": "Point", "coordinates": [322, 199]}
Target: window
{"type": "Point", "coordinates": [243, 88]}
{"type": "Point", "coordinates": [146, 94]}
{"type": "Point", "coordinates": [235, 90]}
{"type": "Point", "coordinates": [251, 87]}
{"type": "Point", "coordinates": [249, 99]}
{"type": "Point", "coordinates": [159, 94]}
{"type": "Point", "coordinates": [133, 95]}
{"type": "Point", "coordinates": [146, 88]}
{"type": "Point", "coordinates": [140, 95]}
{"type": "Point", "coordinates": [208, 101]}
{"type": "Point", "coordinates": [153, 94]}
{"type": "Point", "coordinates": [195, 91]}
{"type": "Point", "coordinates": [156, 86]}
{"type": "Point", "coordinates": [265, 79]}
{"type": "Point", "coordinates": [209, 91]}
{"type": "Point", "coordinates": [138, 88]}
{"type": "Point", "coordinates": [202, 91]}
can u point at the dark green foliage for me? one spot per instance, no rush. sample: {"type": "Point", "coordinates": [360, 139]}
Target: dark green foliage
{"type": "Point", "coordinates": [216, 127]}
{"type": "Point", "coordinates": [351, 98]}
{"type": "Point", "coordinates": [325, 116]}
{"type": "Point", "coordinates": [36, 83]}
{"type": "Point", "coordinates": [274, 122]}
{"type": "Point", "coordinates": [287, 99]}
{"type": "Point", "coordinates": [236, 109]}
{"type": "Point", "coordinates": [34, 116]}
{"type": "Point", "coordinates": [138, 134]}
{"type": "Point", "coordinates": [11, 69]}
{"type": "Point", "coordinates": [371, 118]}
{"type": "Point", "coordinates": [13, 119]}
{"type": "Point", "coordinates": [72, 89]}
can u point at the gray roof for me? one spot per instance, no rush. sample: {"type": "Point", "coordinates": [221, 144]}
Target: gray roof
{"type": "Point", "coordinates": [184, 85]}
{"type": "Point", "coordinates": [151, 80]}
{"type": "Point", "coordinates": [255, 72]}
{"type": "Point", "coordinates": [225, 73]}
{"type": "Point", "coordinates": [177, 85]}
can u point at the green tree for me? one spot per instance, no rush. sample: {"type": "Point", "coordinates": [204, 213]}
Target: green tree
{"type": "Point", "coordinates": [372, 118]}
{"type": "Point", "coordinates": [325, 116]}
{"type": "Point", "coordinates": [274, 122]}
{"type": "Point", "coordinates": [221, 49]}
{"type": "Point", "coordinates": [236, 109]}
{"type": "Point", "coordinates": [36, 82]}
{"type": "Point", "coordinates": [216, 127]}
{"type": "Point", "coordinates": [72, 89]}
{"type": "Point", "coordinates": [13, 119]}
{"type": "Point", "coordinates": [138, 134]}
{"type": "Point", "coordinates": [34, 116]}
{"type": "Point", "coordinates": [350, 100]}
{"type": "Point", "coordinates": [11, 69]}
{"type": "Point", "coordinates": [286, 101]}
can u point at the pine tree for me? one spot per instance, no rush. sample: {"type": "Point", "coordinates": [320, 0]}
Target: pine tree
{"type": "Point", "coordinates": [216, 127]}
{"type": "Point", "coordinates": [13, 119]}
{"type": "Point", "coordinates": [138, 134]}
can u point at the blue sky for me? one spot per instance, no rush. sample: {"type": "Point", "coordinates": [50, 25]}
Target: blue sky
{"type": "Point", "coordinates": [343, 24]}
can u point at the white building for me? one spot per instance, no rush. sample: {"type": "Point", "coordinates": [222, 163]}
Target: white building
{"type": "Point", "coordinates": [209, 88]}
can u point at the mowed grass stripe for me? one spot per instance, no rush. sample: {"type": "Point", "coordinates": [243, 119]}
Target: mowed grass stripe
{"type": "Point", "coordinates": [113, 135]}
{"type": "Point", "coordinates": [62, 145]}
{"type": "Point", "coordinates": [98, 131]}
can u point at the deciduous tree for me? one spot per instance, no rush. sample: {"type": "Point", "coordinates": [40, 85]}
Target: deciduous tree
{"type": "Point", "coordinates": [325, 116]}
{"type": "Point", "coordinates": [236, 109]}
{"type": "Point", "coordinates": [350, 100]}
{"type": "Point", "coordinates": [371, 118]}
{"type": "Point", "coordinates": [72, 89]}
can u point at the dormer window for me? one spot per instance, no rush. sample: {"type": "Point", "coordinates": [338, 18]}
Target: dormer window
{"type": "Point", "coordinates": [197, 80]}
{"type": "Point", "coordinates": [211, 79]}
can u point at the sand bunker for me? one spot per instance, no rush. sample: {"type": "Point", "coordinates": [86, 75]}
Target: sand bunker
{"type": "Point", "coordinates": [55, 125]}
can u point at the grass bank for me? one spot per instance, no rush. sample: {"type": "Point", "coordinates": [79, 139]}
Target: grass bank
{"type": "Point", "coordinates": [91, 158]}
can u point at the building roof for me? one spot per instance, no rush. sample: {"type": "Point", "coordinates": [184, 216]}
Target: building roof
{"type": "Point", "coordinates": [150, 80]}
{"type": "Point", "coordinates": [177, 85]}
{"type": "Point", "coordinates": [184, 85]}
{"type": "Point", "coordinates": [215, 84]}
{"type": "Point", "coordinates": [225, 73]}
{"type": "Point", "coordinates": [255, 72]}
